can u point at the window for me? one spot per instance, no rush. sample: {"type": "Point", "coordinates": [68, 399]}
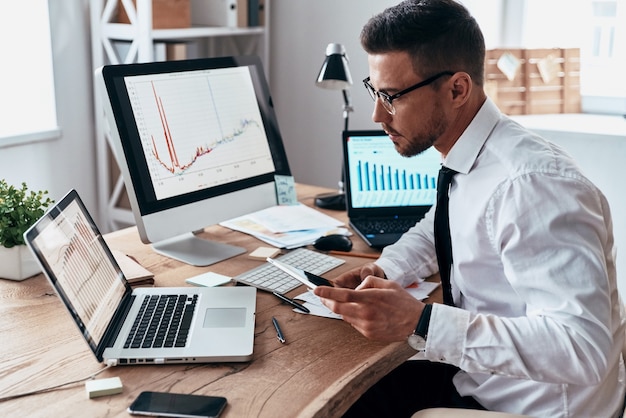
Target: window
{"type": "Point", "coordinates": [603, 57]}
{"type": "Point", "coordinates": [604, 53]}
{"type": "Point", "coordinates": [27, 101]}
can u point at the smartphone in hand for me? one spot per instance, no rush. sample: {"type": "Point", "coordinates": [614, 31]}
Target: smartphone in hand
{"type": "Point", "coordinates": [177, 405]}
{"type": "Point", "coordinates": [309, 279]}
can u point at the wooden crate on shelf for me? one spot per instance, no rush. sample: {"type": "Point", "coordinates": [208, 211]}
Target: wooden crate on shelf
{"type": "Point", "coordinates": [534, 81]}
{"type": "Point", "coordinates": [166, 14]}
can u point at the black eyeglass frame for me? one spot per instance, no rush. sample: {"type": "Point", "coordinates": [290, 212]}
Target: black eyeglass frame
{"type": "Point", "coordinates": [387, 99]}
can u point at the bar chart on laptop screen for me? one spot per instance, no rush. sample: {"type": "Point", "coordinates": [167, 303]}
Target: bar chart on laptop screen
{"type": "Point", "coordinates": [83, 268]}
{"type": "Point", "coordinates": [199, 129]}
{"type": "Point", "coordinates": [382, 177]}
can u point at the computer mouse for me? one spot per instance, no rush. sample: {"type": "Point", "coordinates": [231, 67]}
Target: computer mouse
{"type": "Point", "coordinates": [333, 242]}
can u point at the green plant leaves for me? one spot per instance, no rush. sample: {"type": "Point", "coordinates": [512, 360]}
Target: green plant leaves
{"type": "Point", "coordinates": [19, 209]}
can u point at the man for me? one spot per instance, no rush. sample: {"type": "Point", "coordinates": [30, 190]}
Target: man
{"type": "Point", "coordinates": [534, 325]}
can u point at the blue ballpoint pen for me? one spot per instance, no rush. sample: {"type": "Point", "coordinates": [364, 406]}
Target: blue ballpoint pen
{"type": "Point", "coordinates": [279, 333]}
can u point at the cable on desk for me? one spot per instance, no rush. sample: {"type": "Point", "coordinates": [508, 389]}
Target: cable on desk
{"type": "Point", "coordinates": [51, 388]}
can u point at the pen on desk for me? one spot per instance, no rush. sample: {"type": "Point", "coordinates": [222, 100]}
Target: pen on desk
{"type": "Point", "coordinates": [354, 254]}
{"type": "Point", "coordinates": [279, 333]}
{"type": "Point", "coordinates": [291, 302]}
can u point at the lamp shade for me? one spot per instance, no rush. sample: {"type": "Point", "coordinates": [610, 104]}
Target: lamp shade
{"type": "Point", "coordinates": [335, 73]}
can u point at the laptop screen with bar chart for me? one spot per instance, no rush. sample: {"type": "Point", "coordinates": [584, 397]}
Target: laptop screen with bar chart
{"type": "Point", "coordinates": [383, 187]}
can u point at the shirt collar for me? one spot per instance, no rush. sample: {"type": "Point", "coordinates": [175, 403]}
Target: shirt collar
{"type": "Point", "coordinates": [464, 152]}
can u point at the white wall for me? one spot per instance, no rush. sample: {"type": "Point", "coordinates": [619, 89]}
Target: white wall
{"type": "Point", "coordinates": [69, 161]}
{"type": "Point", "coordinates": [542, 16]}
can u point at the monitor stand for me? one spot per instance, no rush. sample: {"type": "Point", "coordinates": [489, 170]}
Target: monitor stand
{"type": "Point", "coordinates": [196, 251]}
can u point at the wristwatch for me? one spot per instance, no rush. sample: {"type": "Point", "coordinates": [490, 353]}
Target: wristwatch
{"type": "Point", "coordinates": [417, 340]}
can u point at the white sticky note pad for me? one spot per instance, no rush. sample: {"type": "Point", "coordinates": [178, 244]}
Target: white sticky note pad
{"type": "Point", "coordinates": [103, 387]}
{"type": "Point", "coordinates": [208, 279]}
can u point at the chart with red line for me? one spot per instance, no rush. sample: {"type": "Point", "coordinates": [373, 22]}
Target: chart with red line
{"type": "Point", "coordinates": [199, 129]}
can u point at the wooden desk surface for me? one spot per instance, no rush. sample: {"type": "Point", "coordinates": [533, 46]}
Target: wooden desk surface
{"type": "Point", "coordinates": [324, 367]}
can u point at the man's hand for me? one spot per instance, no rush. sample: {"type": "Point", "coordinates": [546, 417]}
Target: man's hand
{"type": "Point", "coordinates": [379, 309]}
{"type": "Point", "coordinates": [354, 277]}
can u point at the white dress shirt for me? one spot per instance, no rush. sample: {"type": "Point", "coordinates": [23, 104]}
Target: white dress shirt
{"type": "Point", "coordinates": [537, 327]}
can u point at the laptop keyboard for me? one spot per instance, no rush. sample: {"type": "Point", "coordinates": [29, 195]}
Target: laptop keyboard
{"type": "Point", "coordinates": [272, 279]}
{"type": "Point", "coordinates": [380, 226]}
{"type": "Point", "coordinates": [163, 321]}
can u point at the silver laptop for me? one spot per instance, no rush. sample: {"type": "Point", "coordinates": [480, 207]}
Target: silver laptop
{"type": "Point", "coordinates": [386, 193]}
{"type": "Point", "coordinates": [194, 325]}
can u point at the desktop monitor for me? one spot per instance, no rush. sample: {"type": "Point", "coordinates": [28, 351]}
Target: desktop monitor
{"type": "Point", "coordinates": [197, 142]}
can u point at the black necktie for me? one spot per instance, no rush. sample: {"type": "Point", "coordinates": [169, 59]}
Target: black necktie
{"type": "Point", "coordinates": [443, 244]}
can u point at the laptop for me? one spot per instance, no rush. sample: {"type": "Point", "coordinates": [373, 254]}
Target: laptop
{"type": "Point", "coordinates": [386, 193]}
{"type": "Point", "coordinates": [202, 324]}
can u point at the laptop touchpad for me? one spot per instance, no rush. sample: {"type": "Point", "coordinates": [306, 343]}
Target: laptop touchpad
{"type": "Point", "coordinates": [224, 318]}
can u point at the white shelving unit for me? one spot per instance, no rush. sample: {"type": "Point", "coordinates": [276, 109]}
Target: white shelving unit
{"type": "Point", "coordinates": [143, 45]}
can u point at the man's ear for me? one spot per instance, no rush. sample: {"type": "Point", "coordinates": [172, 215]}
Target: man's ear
{"type": "Point", "coordinates": [461, 87]}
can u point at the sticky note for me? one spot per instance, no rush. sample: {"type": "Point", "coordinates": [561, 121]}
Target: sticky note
{"type": "Point", "coordinates": [103, 387]}
{"type": "Point", "coordinates": [208, 279]}
{"type": "Point", "coordinates": [285, 190]}
{"type": "Point", "coordinates": [262, 253]}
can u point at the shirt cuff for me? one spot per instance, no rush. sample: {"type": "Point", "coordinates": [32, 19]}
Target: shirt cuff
{"type": "Point", "coordinates": [446, 334]}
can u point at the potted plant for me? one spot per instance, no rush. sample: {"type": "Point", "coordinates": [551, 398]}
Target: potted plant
{"type": "Point", "coordinates": [19, 209]}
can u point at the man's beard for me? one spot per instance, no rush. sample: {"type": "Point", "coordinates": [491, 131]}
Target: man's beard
{"type": "Point", "coordinates": [435, 128]}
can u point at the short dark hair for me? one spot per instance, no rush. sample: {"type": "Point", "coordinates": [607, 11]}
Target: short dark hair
{"type": "Point", "coordinates": [439, 35]}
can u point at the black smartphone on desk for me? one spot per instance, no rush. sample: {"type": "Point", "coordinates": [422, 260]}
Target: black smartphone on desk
{"type": "Point", "coordinates": [177, 405]}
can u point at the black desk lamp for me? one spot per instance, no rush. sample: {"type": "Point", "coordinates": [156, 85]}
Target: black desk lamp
{"type": "Point", "coordinates": [335, 75]}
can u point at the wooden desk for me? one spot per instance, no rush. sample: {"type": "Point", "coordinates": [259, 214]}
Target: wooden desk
{"type": "Point", "coordinates": [324, 367]}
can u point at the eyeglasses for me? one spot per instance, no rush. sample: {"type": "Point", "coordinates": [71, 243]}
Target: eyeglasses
{"type": "Point", "coordinates": [387, 100]}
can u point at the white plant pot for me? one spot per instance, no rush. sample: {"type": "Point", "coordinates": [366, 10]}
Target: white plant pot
{"type": "Point", "coordinates": [17, 263]}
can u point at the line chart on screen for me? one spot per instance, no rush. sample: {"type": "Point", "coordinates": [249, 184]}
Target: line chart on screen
{"type": "Point", "coordinates": [193, 130]}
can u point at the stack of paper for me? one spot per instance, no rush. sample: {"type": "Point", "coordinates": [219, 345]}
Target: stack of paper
{"type": "Point", "coordinates": [136, 275]}
{"type": "Point", "coordinates": [286, 226]}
